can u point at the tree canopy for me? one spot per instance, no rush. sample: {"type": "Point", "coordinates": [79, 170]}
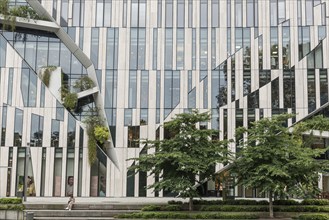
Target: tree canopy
{"type": "Point", "coordinates": [188, 152]}
{"type": "Point", "coordinates": [277, 160]}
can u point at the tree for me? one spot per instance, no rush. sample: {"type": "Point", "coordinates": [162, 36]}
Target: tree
{"type": "Point", "coordinates": [277, 160]}
{"type": "Point", "coordinates": [179, 160]}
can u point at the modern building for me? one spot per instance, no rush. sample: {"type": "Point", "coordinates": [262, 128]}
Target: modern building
{"type": "Point", "coordinates": [149, 59]}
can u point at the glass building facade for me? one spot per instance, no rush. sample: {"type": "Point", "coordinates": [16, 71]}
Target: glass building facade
{"type": "Point", "coordinates": [150, 59]}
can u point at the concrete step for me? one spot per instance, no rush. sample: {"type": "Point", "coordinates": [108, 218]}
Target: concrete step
{"type": "Point", "coordinates": [78, 213]}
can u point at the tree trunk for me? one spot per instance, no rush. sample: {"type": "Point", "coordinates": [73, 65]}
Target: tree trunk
{"type": "Point", "coordinates": [190, 204]}
{"type": "Point", "coordinates": [270, 198]}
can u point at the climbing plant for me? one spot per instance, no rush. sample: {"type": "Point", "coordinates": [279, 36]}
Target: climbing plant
{"type": "Point", "coordinates": [97, 133]}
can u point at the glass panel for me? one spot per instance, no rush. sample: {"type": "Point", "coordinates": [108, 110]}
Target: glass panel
{"type": "Point", "coordinates": [309, 12]}
{"type": "Point", "coordinates": [323, 86]}
{"type": "Point", "coordinates": [180, 13]}
{"type": "Point", "coordinates": [4, 126]}
{"type": "Point", "coordinates": [133, 136]}
{"type": "Point", "coordinates": [204, 13]}
{"type": "Point", "coordinates": [203, 49]}
{"type": "Point", "coordinates": [71, 132]}
{"type": "Point", "coordinates": [169, 13]}
{"type": "Point", "coordinates": [94, 46]}
{"type": "Point", "coordinates": [134, 13]}
{"type": "Point", "coordinates": [18, 130]}
{"type": "Point", "coordinates": [141, 48]}
{"type": "Point", "coordinates": [155, 48]}
{"type": "Point", "coordinates": [180, 49]}
{"type": "Point", "coordinates": [144, 96]}
{"type": "Point", "coordinates": [69, 172]}
{"type": "Point", "coordinates": [215, 13]}
{"type": "Point", "coordinates": [112, 43]}
{"type": "Point", "coordinates": [132, 89]}
{"type": "Point", "coordinates": [58, 172]}
{"type": "Point", "coordinates": [36, 131]}
{"type": "Point", "coordinates": [99, 13]}
{"type": "Point", "coordinates": [274, 48]}
{"type": "Point", "coordinates": [274, 12]}
{"type": "Point", "coordinates": [281, 10]}
{"type": "Point", "coordinates": [133, 48]}
{"type": "Point", "coordinates": [168, 48]}
{"type": "Point", "coordinates": [238, 13]}
{"type": "Point", "coordinates": [311, 90]}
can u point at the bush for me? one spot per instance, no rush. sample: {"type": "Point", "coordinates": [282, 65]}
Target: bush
{"type": "Point", "coordinates": [151, 208]}
{"type": "Point", "coordinates": [230, 202]}
{"type": "Point", "coordinates": [101, 133]}
{"type": "Point", "coordinates": [18, 207]}
{"type": "Point", "coordinates": [173, 202]}
{"type": "Point", "coordinates": [84, 83]}
{"type": "Point", "coordinates": [11, 201]}
{"type": "Point", "coordinates": [313, 217]}
{"type": "Point", "coordinates": [301, 209]}
{"type": "Point", "coordinates": [186, 215]}
{"type": "Point", "coordinates": [229, 208]}
{"type": "Point", "coordinates": [286, 202]}
{"type": "Point", "coordinates": [315, 202]}
{"type": "Point", "coordinates": [70, 101]}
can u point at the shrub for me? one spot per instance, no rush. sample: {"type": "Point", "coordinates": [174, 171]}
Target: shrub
{"type": "Point", "coordinates": [101, 133]}
{"type": "Point", "coordinates": [24, 11]}
{"type": "Point", "coordinates": [185, 215]}
{"type": "Point", "coordinates": [151, 208]}
{"type": "Point", "coordinates": [229, 208]}
{"type": "Point", "coordinates": [286, 202]}
{"type": "Point", "coordinates": [172, 208]}
{"type": "Point", "coordinates": [315, 202]}
{"type": "Point", "coordinates": [18, 207]}
{"type": "Point", "coordinates": [173, 202]}
{"type": "Point", "coordinates": [10, 200]}
{"type": "Point", "coordinates": [84, 83]}
{"type": "Point", "coordinates": [313, 217]}
{"type": "Point", "coordinates": [70, 100]}
{"type": "Point", "coordinates": [230, 202]}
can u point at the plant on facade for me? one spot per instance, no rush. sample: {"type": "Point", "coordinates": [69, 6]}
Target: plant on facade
{"type": "Point", "coordinates": [179, 160]}
{"type": "Point", "coordinates": [84, 83]}
{"type": "Point", "coordinates": [277, 160]}
{"type": "Point", "coordinates": [70, 99]}
{"type": "Point", "coordinates": [101, 133]}
{"type": "Point", "coordinates": [47, 74]}
{"type": "Point", "coordinates": [10, 14]}
{"type": "Point", "coordinates": [96, 132]}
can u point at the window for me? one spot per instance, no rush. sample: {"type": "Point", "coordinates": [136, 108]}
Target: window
{"type": "Point", "coordinates": [275, 93]}
{"type": "Point", "coordinates": [193, 48]}
{"type": "Point", "coordinates": [238, 13]}
{"type": "Point", "coordinates": [137, 48]}
{"type": "Point", "coordinates": [171, 91]}
{"type": "Point", "coordinates": [138, 13]}
{"type": "Point", "coordinates": [103, 13]}
{"type": "Point", "coordinates": [274, 48]}
{"type": "Point", "coordinates": [144, 89]}
{"type": "Point", "coordinates": [155, 48]}
{"type": "Point", "coordinates": [215, 13]}
{"type": "Point", "coordinates": [78, 12]}
{"type": "Point", "coordinates": [111, 78]}
{"type": "Point", "coordinates": [18, 128]}
{"type": "Point", "coordinates": [286, 47]}
{"type": "Point", "coordinates": [4, 126]}
{"type": "Point", "coordinates": [132, 99]}
{"type": "Point", "coordinates": [311, 90]}
{"type": "Point", "coordinates": [124, 14]}
{"type": "Point", "coordinates": [64, 12]}
{"type": "Point", "coordinates": [55, 133]}
{"type": "Point", "coordinates": [203, 49]}
{"type": "Point", "coordinates": [288, 89]}
{"type": "Point", "coordinates": [71, 131]}
{"type": "Point", "coordinates": [168, 48]}
{"type": "Point", "coordinates": [309, 12]}
{"type": "Point", "coordinates": [169, 13]}
{"type": "Point", "coordinates": [158, 95]}
{"type": "Point", "coordinates": [251, 13]}
{"type": "Point", "coordinates": [180, 49]}
{"type": "Point", "coordinates": [94, 50]}
{"type": "Point", "coordinates": [36, 134]}
{"type": "Point", "coordinates": [10, 86]}
{"type": "Point", "coordinates": [303, 41]}
{"type": "Point", "coordinates": [29, 87]}
{"type": "Point", "coordinates": [180, 13]}
{"type": "Point", "coordinates": [323, 86]}
{"type": "Point", "coordinates": [203, 13]}
{"type": "Point", "coordinates": [133, 136]}
{"type": "Point", "coordinates": [190, 13]}
{"type": "Point", "coordinates": [112, 44]}
{"type": "Point", "coordinates": [274, 12]}
{"type": "Point", "coordinates": [281, 11]}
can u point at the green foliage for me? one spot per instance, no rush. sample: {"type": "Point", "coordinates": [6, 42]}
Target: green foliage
{"type": "Point", "coordinates": [70, 100]}
{"type": "Point", "coordinates": [24, 11]}
{"type": "Point", "coordinates": [47, 74]}
{"type": "Point", "coordinates": [286, 202]}
{"type": "Point", "coordinates": [315, 202]}
{"type": "Point", "coordinates": [277, 161]}
{"type": "Point", "coordinates": [19, 207]}
{"type": "Point", "coordinates": [93, 121]}
{"type": "Point", "coordinates": [84, 83]}
{"type": "Point", "coordinates": [313, 217]}
{"type": "Point", "coordinates": [92, 150]}
{"type": "Point", "coordinates": [162, 208]}
{"type": "Point", "coordinates": [173, 202]}
{"type": "Point", "coordinates": [101, 133]}
{"type": "Point", "coordinates": [185, 215]}
{"type": "Point", "coordinates": [230, 202]}
{"type": "Point", "coordinates": [10, 201]}
{"type": "Point", "coordinates": [8, 21]}
{"type": "Point", "coordinates": [285, 208]}
{"type": "Point", "coordinates": [179, 159]}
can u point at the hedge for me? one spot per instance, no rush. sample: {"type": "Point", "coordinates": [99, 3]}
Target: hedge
{"type": "Point", "coordinates": [230, 202]}
{"type": "Point", "coordinates": [299, 208]}
{"type": "Point", "coordinates": [186, 215]}
{"type": "Point", "coordinates": [19, 207]}
{"type": "Point", "coordinates": [315, 202]}
{"type": "Point", "coordinates": [162, 208]}
{"type": "Point", "coordinates": [312, 217]}
{"type": "Point", "coordinates": [285, 202]}
{"type": "Point", "coordinates": [10, 200]}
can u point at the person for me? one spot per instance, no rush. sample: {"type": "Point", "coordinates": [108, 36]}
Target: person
{"type": "Point", "coordinates": [69, 186]}
{"type": "Point", "coordinates": [30, 186]}
{"type": "Point", "coordinates": [70, 203]}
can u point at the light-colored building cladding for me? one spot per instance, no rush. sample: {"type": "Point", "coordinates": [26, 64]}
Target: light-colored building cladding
{"type": "Point", "coordinates": [241, 59]}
